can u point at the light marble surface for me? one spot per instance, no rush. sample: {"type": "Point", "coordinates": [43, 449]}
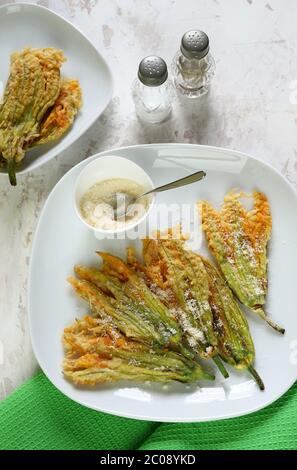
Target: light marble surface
{"type": "Point", "coordinates": [252, 107]}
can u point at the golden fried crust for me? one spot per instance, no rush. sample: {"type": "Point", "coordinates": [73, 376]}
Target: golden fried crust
{"type": "Point", "coordinates": [90, 335]}
{"type": "Point", "coordinates": [259, 221]}
{"type": "Point", "coordinates": [213, 223]}
{"type": "Point", "coordinates": [32, 88]}
{"type": "Point", "coordinates": [115, 266]}
{"type": "Point", "coordinates": [255, 225]}
{"type": "Point", "coordinates": [156, 269]}
{"type": "Point", "coordinates": [238, 240]}
{"type": "Point", "coordinates": [182, 277]}
{"type": "Point", "coordinates": [61, 116]}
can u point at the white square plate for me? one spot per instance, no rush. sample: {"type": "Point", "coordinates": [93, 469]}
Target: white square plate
{"type": "Point", "coordinates": [23, 25]}
{"type": "Point", "coordinates": [61, 240]}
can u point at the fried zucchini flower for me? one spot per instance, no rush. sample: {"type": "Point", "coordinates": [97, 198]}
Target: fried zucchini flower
{"type": "Point", "coordinates": [33, 87]}
{"type": "Point", "coordinates": [182, 281]}
{"type": "Point", "coordinates": [238, 239]}
{"type": "Point", "coordinates": [235, 343]}
{"type": "Point", "coordinates": [115, 292]}
{"type": "Point", "coordinates": [96, 352]}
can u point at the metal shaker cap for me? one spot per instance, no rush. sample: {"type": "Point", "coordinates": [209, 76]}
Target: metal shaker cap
{"type": "Point", "coordinates": [194, 44]}
{"type": "Point", "coordinates": [152, 71]}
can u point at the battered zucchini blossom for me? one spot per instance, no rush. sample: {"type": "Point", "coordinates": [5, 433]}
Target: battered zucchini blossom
{"type": "Point", "coordinates": [238, 239]}
{"type": "Point", "coordinates": [37, 106]}
{"type": "Point", "coordinates": [97, 352]}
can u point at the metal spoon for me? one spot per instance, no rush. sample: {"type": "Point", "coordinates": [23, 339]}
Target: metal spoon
{"type": "Point", "coordinates": [123, 203]}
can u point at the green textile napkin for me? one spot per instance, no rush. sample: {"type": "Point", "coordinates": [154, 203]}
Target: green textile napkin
{"type": "Point", "coordinates": [37, 416]}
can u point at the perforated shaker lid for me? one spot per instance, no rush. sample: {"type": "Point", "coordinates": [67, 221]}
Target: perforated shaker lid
{"type": "Point", "coordinates": [152, 71]}
{"type": "Point", "coordinates": [194, 44]}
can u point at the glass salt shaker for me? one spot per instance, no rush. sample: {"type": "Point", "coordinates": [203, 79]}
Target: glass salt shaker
{"type": "Point", "coordinates": [193, 66]}
{"type": "Point", "coordinates": [152, 91]}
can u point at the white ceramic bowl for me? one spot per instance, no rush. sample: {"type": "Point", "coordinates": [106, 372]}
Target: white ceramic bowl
{"type": "Point", "coordinates": [104, 168]}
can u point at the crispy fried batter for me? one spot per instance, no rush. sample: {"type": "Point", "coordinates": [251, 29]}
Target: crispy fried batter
{"type": "Point", "coordinates": [127, 301]}
{"type": "Point", "coordinates": [32, 88]}
{"type": "Point", "coordinates": [96, 353]}
{"type": "Point", "coordinates": [61, 116]}
{"type": "Point", "coordinates": [37, 106]}
{"type": "Point", "coordinates": [238, 239]}
{"type": "Point", "coordinates": [182, 278]}
{"type": "Point", "coordinates": [235, 344]}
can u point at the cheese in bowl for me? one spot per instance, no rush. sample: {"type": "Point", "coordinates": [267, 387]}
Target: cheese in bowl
{"type": "Point", "coordinates": [97, 204]}
{"type": "Point", "coordinates": [97, 191]}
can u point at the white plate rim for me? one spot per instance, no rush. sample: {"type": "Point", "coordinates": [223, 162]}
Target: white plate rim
{"type": "Point", "coordinates": [248, 410]}
{"type": "Point", "coordinates": [109, 96]}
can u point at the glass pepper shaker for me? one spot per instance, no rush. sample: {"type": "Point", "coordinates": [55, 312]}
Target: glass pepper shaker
{"type": "Point", "coordinates": [152, 91]}
{"type": "Point", "coordinates": [193, 66]}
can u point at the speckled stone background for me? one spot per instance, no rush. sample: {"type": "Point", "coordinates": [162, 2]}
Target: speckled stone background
{"type": "Point", "coordinates": [252, 107]}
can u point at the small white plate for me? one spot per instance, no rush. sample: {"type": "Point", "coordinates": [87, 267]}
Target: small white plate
{"type": "Point", "coordinates": [61, 241]}
{"type": "Point", "coordinates": [23, 25]}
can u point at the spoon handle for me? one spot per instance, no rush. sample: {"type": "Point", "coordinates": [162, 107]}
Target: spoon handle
{"type": "Point", "coordinates": [199, 175]}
